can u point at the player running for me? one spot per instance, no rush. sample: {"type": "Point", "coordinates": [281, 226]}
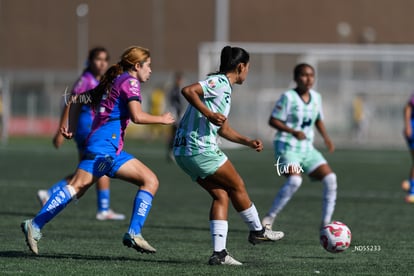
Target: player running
{"type": "Point", "coordinates": [197, 153]}
{"type": "Point", "coordinates": [409, 136]}
{"type": "Point", "coordinates": [294, 116]}
{"type": "Point", "coordinates": [97, 64]}
{"type": "Point", "coordinates": [118, 101]}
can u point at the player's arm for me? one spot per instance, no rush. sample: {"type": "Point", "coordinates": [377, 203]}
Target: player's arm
{"type": "Point", "coordinates": [281, 126]}
{"type": "Point", "coordinates": [58, 139]}
{"type": "Point", "coordinates": [138, 116]}
{"type": "Point", "coordinates": [230, 134]}
{"type": "Point", "coordinates": [407, 121]}
{"type": "Point", "coordinates": [320, 126]}
{"type": "Point", "coordinates": [193, 94]}
{"type": "Point", "coordinates": [72, 110]}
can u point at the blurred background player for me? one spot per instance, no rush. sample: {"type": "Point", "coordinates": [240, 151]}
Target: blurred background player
{"type": "Point", "coordinates": [118, 101]}
{"type": "Point", "coordinates": [175, 104]}
{"type": "Point", "coordinates": [97, 64]}
{"type": "Point", "coordinates": [294, 116]}
{"type": "Point", "coordinates": [197, 153]}
{"type": "Point", "coordinates": [409, 136]}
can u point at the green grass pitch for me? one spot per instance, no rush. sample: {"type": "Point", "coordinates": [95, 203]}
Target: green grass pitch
{"type": "Point", "coordinates": [370, 202]}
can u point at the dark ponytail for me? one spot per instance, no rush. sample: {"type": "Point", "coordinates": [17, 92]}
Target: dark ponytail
{"type": "Point", "coordinates": [231, 57]}
{"type": "Point", "coordinates": [105, 85]}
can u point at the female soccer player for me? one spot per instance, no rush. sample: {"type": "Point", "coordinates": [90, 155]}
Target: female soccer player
{"type": "Point", "coordinates": [118, 101]}
{"type": "Point", "coordinates": [409, 136]}
{"type": "Point", "coordinates": [197, 153]}
{"type": "Point", "coordinates": [294, 116]}
{"type": "Point", "coordinates": [97, 64]}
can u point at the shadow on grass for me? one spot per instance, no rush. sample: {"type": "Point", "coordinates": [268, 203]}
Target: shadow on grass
{"type": "Point", "coordinates": [17, 214]}
{"type": "Point", "coordinates": [192, 228]}
{"type": "Point", "coordinates": [313, 257]}
{"type": "Point", "coordinates": [62, 256]}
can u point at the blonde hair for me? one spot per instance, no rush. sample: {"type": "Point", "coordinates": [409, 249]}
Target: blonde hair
{"type": "Point", "coordinates": [130, 57]}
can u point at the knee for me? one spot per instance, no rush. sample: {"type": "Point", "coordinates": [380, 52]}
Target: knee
{"type": "Point", "coordinates": [330, 182]}
{"type": "Point", "coordinates": [151, 182]}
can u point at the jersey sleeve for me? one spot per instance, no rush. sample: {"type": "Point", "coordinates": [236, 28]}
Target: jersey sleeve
{"type": "Point", "coordinates": [131, 90]}
{"type": "Point", "coordinates": [213, 87]}
{"type": "Point", "coordinates": [80, 86]}
{"type": "Point", "coordinates": [281, 109]}
{"type": "Point", "coordinates": [320, 115]}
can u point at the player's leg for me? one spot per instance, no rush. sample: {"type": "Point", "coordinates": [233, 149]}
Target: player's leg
{"type": "Point", "coordinates": [103, 201]}
{"type": "Point", "coordinates": [78, 185]}
{"type": "Point", "coordinates": [227, 177]}
{"type": "Point", "coordinates": [323, 172]}
{"type": "Point", "coordinates": [219, 224]}
{"type": "Point", "coordinates": [44, 195]}
{"type": "Point", "coordinates": [135, 172]}
{"type": "Point", "coordinates": [289, 163]}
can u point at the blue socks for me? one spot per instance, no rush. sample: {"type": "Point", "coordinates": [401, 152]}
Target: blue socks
{"type": "Point", "coordinates": [103, 198]}
{"type": "Point", "coordinates": [56, 203]}
{"type": "Point", "coordinates": [142, 206]}
{"type": "Point", "coordinates": [411, 191]}
{"type": "Point", "coordinates": [57, 186]}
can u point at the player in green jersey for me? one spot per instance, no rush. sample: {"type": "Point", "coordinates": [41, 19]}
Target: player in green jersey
{"type": "Point", "coordinates": [294, 117]}
{"type": "Point", "coordinates": [197, 153]}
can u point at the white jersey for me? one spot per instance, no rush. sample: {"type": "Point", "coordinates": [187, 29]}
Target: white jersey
{"type": "Point", "coordinates": [196, 134]}
{"type": "Point", "coordinates": [298, 115]}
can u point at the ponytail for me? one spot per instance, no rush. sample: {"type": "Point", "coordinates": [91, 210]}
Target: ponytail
{"type": "Point", "coordinates": [230, 58]}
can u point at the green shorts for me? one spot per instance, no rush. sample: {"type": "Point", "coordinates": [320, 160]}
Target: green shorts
{"type": "Point", "coordinates": [201, 165]}
{"type": "Point", "coordinates": [305, 162]}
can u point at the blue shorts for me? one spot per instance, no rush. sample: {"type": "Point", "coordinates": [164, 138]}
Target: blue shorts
{"type": "Point", "coordinates": [103, 164]}
{"type": "Point", "coordinates": [410, 140]}
{"type": "Point", "coordinates": [81, 143]}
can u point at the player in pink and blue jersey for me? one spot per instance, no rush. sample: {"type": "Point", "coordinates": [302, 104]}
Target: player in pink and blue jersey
{"type": "Point", "coordinates": [409, 136]}
{"type": "Point", "coordinates": [117, 99]}
{"type": "Point", "coordinates": [97, 64]}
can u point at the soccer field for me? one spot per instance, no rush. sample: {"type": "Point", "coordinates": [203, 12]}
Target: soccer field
{"type": "Point", "coordinates": [370, 202]}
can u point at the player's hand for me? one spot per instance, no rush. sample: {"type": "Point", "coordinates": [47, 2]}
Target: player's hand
{"type": "Point", "coordinates": [217, 118]}
{"type": "Point", "coordinates": [58, 140]}
{"type": "Point", "coordinates": [329, 144]}
{"type": "Point", "coordinates": [167, 118]}
{"type": "Point", "coordinates": [256, 145]}
{"type": "Point", "coordinates": [408, 132]}
{"type": "Point", "coordinates": [300, 135]}
{"type": "Point", "coordinates": [66, 133]}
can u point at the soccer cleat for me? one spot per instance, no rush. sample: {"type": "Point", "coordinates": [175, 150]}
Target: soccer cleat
{"type": "Point", "coordinates": [409, 199]}
{"type": "Point", "coordinates": [109, 215]}
{"type": "Point", "coordinates": [222, 258]}
{"type": "Point", "coordinates": [43, 196]}
{"type": "Point", "coordinates": [405, 185]}
{"type": "Point", "coordinates": [264, 235]}
{"type": "Point", "coordinates": [267, 222]}
{"type": "Point", "coordinates": [31, 234]}
{"type": "Point", "coordinates": [138, 243]}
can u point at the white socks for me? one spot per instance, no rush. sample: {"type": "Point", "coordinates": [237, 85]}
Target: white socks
{"type": "Point", "coordinates": [329, 197]}
{"type": "Point", "coordinates": [251, 218]}
{"type": "Point", "coordinates": [291, 185]}
{"type": "Point", "coordinates": [219, 229]}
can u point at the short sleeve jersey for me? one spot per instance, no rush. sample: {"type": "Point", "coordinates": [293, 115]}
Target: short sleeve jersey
{"type": "Point", "coordinates": [86, 82]}
{"type": "Point", "coordinates": [196, 134]}
{"type": "Point", "coordinates": [112, 117]}
{"type": "Point", "coordinates": [298, 115]}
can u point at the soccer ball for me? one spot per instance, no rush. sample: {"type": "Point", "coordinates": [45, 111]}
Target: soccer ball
{"type": "Point", "coordinates": [335, 237]}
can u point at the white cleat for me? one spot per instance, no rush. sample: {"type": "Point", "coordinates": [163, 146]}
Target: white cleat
{"type": "Point", "coordinates": [223, 258]}
{"type": "Point", "coordinates": [138, 243]}
{"type": "Point", "coordinates": [32, 235]}
{"type": "Point", "coordinates": [109, 215]}
{"type": "Point", "coordinates": [43, 196]}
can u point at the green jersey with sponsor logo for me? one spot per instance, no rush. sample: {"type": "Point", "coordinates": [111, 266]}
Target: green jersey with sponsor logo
{"type": "Point", "coordinates": [196, 134]}
{"type": "Point", "coordinates": [298, 115]}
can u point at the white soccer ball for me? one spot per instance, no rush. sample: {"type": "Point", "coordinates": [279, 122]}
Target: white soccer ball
{"type": "Point", "coordinates": [335, 237]}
